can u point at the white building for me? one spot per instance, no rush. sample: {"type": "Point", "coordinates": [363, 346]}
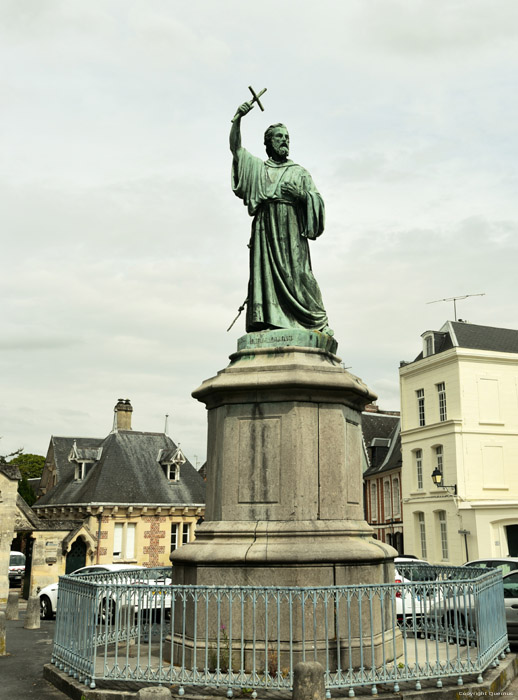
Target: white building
{"type": "Point", "coordinates": [459, 417]}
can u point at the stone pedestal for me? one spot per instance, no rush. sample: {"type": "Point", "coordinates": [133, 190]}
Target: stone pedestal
{"type": "Point", "coordinates": [284, 478]}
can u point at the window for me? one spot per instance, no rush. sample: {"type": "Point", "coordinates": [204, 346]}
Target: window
{"type": "Point", "coordinates": [443, 533]}
{"type": "Point", "coordinates": [420, 406]}
{"type": "Point", "coordinates": [422, 534]}
{"type": "Point", "coordinates": [374, 503]}
{"type": "Point", "coordinates": [419, 468]}
{"type": "Point", "coordinates": [395, 496]}
{"type": "Point", "coordinates": [124, 540]}
{"type": "Point", "coordinates": [172, 472]}
{"type": "Point", "coordinates": [428, 345]}
{"type": "Point", "coordinates": [386, 499]}
{"type": "Point", "coordinates": [441, 392]}
{"type": "Point", "coordinates": [180, 534]}
{"type": "Point", "coordinates": [174, 536]}
{"type": "Point", "coordinates": [81, 470]}
{"type": "Point", "coordinates": [439, 457]}
{"type": "Point", "coordinates": [511, 586]}
{"type": "Point", "coordinates": [171, 462]}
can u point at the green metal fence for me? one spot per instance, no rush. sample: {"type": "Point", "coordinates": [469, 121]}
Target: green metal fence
{"type": "Point", "coordinates": [135, 626]}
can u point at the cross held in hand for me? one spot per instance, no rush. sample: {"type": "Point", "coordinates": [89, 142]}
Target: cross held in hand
{"type": "Point", "coordinates": [255, 98]}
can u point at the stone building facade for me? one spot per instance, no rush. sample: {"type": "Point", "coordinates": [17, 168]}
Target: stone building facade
{"type": "Point", "coordinates": [459, 418]}
{"type": "Point", "coordinates": [9, 477]}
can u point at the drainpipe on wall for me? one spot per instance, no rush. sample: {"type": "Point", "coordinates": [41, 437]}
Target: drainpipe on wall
{"type": "Point", "coordinates": [465, 533]}
{"type": "Point", "coordinates": [99, 523]}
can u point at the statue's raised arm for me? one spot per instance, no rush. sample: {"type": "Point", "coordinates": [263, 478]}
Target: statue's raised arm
{"type": "Point", "coordinates": [287, 210]}
{"type": "Point", "coordinates": [235, 131]}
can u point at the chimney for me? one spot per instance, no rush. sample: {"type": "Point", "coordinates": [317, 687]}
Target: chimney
{"type": "Point", "coordinates": [123, 411]}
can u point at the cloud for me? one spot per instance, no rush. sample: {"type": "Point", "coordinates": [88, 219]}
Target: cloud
{"type": "Point", "coordinates": [125, 254]}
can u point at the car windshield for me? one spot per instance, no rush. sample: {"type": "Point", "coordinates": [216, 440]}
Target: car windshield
{"type": "Point", "coordinates": [17, 560]}
{"type": "Point", "coordinates": [417, 572]}
{"type": "Point", "coordinates": [505, 565]}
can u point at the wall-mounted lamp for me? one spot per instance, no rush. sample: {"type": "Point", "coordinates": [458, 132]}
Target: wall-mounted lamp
{"type": "Point", "coordinates": [437, 480]}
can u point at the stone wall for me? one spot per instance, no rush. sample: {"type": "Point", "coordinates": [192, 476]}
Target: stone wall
{"type": "Point", "coordinates": [9, 477]}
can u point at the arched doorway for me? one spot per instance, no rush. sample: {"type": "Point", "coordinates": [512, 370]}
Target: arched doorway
{"type": "Point", "coordinates": [76, 557]}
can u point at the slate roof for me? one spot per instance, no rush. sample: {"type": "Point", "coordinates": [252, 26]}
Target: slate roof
{"type": "Point", "coordinates": [61, 448]}
{"type": "Point", "coordinates": [126, 473]}
{"type": "Point", "coordinates": [377, 425]}
{"type": "Point", "coordinates": [381, 428]}
{"type": "Point", "coordinates": [11, 471]}
{"type": "Point", "coordinates": [469, 335]}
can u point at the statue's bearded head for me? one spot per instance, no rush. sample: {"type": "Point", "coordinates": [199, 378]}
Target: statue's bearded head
{"type": "Point", "coordinates": [277, 142]}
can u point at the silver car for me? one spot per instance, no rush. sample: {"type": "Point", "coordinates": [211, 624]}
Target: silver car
{"type": "Point", "coordinates": [507, 564]}
{"type": "Point", "coordinates": [511, 604]}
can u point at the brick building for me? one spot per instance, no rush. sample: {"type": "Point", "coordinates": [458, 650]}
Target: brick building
{"type": "Point", "coordinates": [132, 497]}
{"type": "Point", "coordinates": [382, 477]}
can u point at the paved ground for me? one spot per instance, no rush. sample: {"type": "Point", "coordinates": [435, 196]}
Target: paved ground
{"type": "Point", "coordinates": [21, 671]}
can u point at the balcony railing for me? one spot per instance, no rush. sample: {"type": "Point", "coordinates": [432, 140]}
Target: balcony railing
{"type": "Point", "coordinates": [446, 622]}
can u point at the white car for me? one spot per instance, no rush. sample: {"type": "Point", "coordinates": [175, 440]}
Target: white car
{"type": "Point", "coordinates": [49, 595]}
{"type": "Point", "coordinates": [16, 568]}
{"type": "Point", "coordinates": [413, 601]}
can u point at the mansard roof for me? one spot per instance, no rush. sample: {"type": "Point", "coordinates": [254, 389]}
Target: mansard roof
{"type": "Point", "coordinates": [126, 471]}
{"type": "Point", "coordinates": [382, 440]}
{"type": "Point", "coordinates": [469, 335]}
{"type": "Point", "coordinates": [462, 334]}
{"type": "Point", "coordinates": [377, 425]}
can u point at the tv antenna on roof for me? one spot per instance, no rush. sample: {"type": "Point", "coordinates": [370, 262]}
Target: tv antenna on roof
{"type": "Point", "coordinates": [455, 300]}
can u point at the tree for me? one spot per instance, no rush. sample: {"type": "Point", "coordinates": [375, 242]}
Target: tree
{"type": "Point", "coordinates": [30, 466]}
{"type": "Point", "coordinates": [26, 491]}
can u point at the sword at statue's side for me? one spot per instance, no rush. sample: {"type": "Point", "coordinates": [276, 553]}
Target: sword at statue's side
{"type": "Point", "coordinates": [255, 98]}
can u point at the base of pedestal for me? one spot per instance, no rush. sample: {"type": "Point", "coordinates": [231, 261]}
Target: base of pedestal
{"type": "Point", "coordinates": [252, 656]}
{"type": "Point", "coordinates": [284, 513]}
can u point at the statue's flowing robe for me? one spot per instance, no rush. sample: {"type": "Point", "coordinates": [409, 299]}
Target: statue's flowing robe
{"type": "Point", "coordinates": [282, 290]}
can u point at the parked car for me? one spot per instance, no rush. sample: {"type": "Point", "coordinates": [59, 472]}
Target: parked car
{"type": "Point", "coordinates": [412, 601]}
{"type": "Point", "coordinates": [49, 598]}
{"type": "Point", "coordinates": [16, 568]}
{"type": "Point", "coordinates": [415, 570]}
{"type": "Point", "coordinates": [511, 604]}
{"type": "Point", "coordinates": [507, 564]}
{"type": "Point", "coordinates": [509, 568]}
{"type": "Point", "coordinates": [456, 614]}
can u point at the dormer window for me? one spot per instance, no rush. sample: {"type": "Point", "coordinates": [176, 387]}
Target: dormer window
{"type": "Point", "coordinates": [83, 459]}
{"type": "Point", "coordinates": [428, 345]}
{"type": "Point", "coordinates": [171, 461]}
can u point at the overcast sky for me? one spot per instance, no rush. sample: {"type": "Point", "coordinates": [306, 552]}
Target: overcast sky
{"type": "Point", "coordinates": [124, 250]}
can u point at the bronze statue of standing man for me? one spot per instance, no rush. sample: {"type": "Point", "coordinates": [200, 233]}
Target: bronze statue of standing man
{"type": "Point", "coordinates": [287, 210]}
